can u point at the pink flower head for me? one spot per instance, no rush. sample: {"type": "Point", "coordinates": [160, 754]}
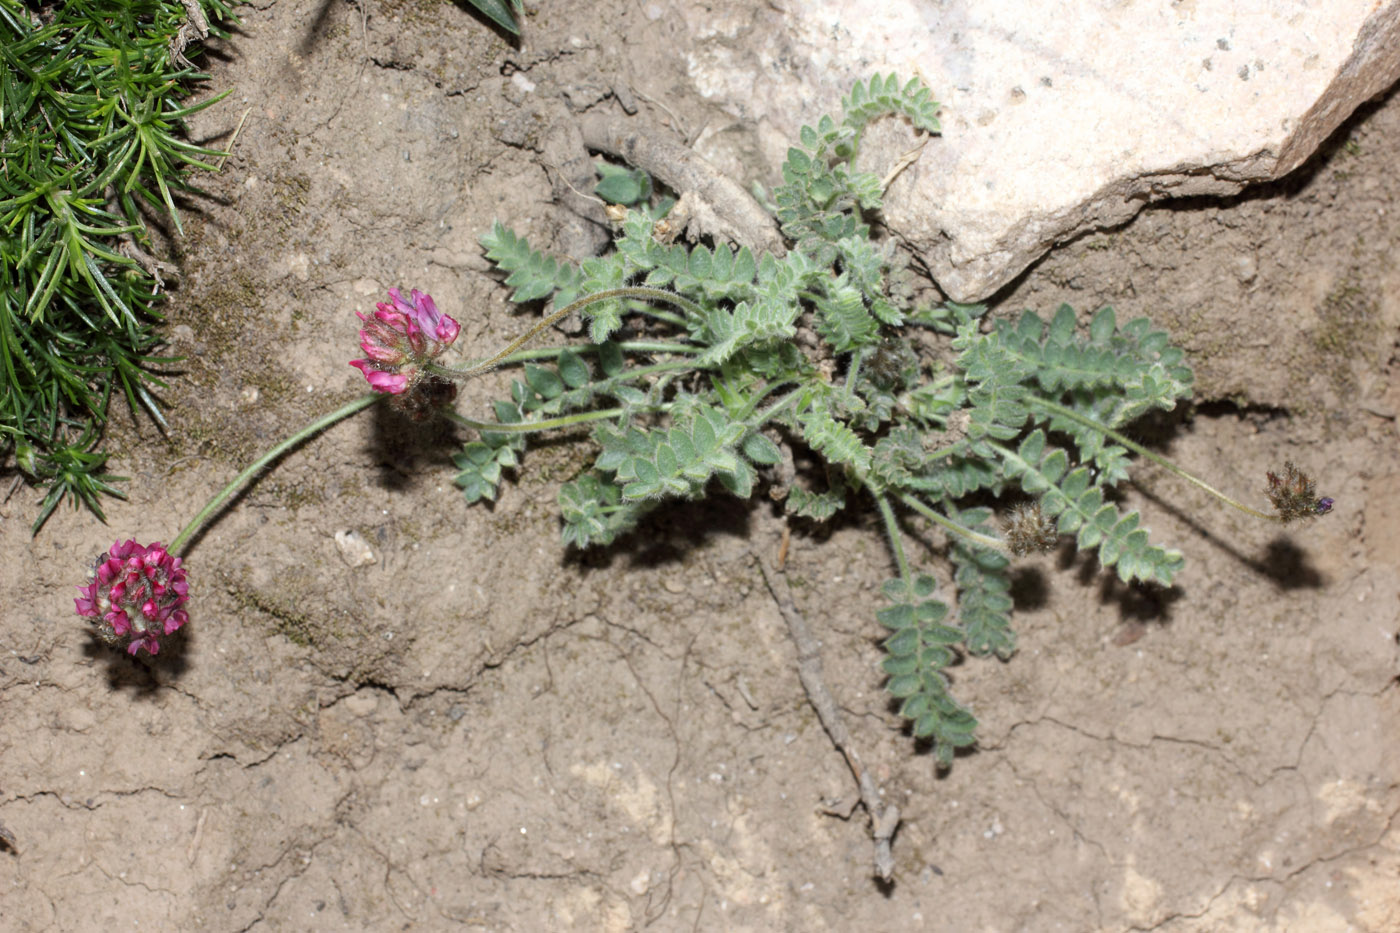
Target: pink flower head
{"type": "Point", "coordinates": [135, 593]}
{"type": "Point", "coordinates": [400, 338]}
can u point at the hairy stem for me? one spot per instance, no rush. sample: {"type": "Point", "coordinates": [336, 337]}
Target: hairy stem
{"type": "Point", "coordinates": [772, 411]}
{"type": "Point", "coordinates": [987, 541]}
{"type": "Point", "coordinates": [628, 375]}
{"type": "Point", "coordinates": [627, 346]}
{"type": "Point", "coordinates": [853, 373]}
{"type": "Point", "coordinates": [178, 544]}
{"type": "Point", "coordinates": [896, 540]}
{"type": "Point", "coordinates": [491, 362]}
{"type": "Point", "coordinates": [527, 427]}
{"type": "Point", "coordinates": [1072, 415]}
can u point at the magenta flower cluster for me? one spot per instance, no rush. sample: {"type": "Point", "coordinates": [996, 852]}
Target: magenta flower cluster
{"type": "Point", "coordinates": [400, 338]}
{"type": "Point", "coordinates": [135, 593]}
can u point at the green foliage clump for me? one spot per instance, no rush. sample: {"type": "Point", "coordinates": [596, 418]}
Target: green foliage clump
{"type": "Point", "coordinates": [920, 408]}
{"type": "Point", "coordinates": [90, 134]}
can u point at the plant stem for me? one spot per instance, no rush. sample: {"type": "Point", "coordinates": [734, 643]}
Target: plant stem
{"type": "Point", "coordinates": [527, 427]}
{"type": "Point", "coordinates": [177, 545]}
{"type": "Point", "coordinates": [987, 541]}
{"type": "Point", "coordinates": [627, 375]}
{"type": "Point", "coordinates": [491, 362]}
{"type": "Point", "coordinates": [853, 373]}
{"type": "Point", "coordinates": [892, 532]}
{"type": "Point", "coordinates": [659, 315]}
{"type": "Point", "coordinates": [628, 346]}
{"type": "Point", "coordinates": [1072, 415]}
{"type": "Point", "coordinates": [772, 411]}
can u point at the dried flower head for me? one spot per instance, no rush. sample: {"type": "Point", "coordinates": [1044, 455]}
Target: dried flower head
{"type": "Point", "coordinates": [1028, 530]}
{"type": "Point", "coordinates": [134, 594]}
{"type": "Point", "coordinates": [400, 338]}
{"type": "Point", "coordinates": [892, 365]}
{"type": "Point", "coordinates": [1294, 495]}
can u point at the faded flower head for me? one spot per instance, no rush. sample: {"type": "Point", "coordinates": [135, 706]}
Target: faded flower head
{"type": "Point", "coordinates": [134, 594]}
{"type": "Point", "coordinates": [400, 338]}
{"type": "Point", "coordinates": [1028, 530]}
{"type": "Point", "coordinates": [1294, 495]}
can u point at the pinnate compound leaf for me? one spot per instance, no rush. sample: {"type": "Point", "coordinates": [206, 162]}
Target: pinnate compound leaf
{"type": "Point", "coordinates": [532, 274]}
{"type": "Point", "coordinates": [984, 591]}
{"type": "Point", "coordinates": [833, 439]}
{"type": "Point", "coordinates": [1081, 510]}
{"type": "Point", "coordinates": [917, 652]}
{"type": "Point", "coordinates": [818, 506]}
{"type": "Point", "coordinates": [593, 512]}
{"type": "Point", "coordinates": [1125, 371]}
{"type": "Point", "coordinates": [479, 465]}
{"type": "Point", "coordinates": [675, 461]}
{"type": "Point", "coordinates": [842, 318]}
{"type": "Point", "coordinates": [881, 96]}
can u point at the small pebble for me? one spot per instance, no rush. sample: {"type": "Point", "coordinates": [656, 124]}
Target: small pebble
{"type": "Point", "coordinates": [354, 549]}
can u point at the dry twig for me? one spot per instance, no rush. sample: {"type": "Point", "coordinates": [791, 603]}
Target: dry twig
{"type": "Point", "coordinates": [194, 29]}
{"type": "Point", "coordinates": [884, 818]}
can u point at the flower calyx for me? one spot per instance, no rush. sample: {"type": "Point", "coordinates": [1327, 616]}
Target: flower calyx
{"type": "Point", "coordinates": [1027, 529]}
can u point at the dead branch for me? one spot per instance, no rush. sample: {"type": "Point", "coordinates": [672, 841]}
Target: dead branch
{"type": "Point", "coordinates": [884, 818]}
{"type": "Point", "coordinates": [194, 29]}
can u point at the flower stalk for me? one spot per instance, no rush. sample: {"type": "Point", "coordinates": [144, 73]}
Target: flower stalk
{"type": "Point", "coordinates": [987, 541]}
{"type": "Point", "coordinates": [642, 293]}
{"type": "Point", "coordinates": [135, 593]}
{"type": "Point", "coordinates": [1297, 500]}
{"type": "Point", "coordinates": [182, 540]}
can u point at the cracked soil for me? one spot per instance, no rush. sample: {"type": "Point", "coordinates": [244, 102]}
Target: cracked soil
{"type": "Point", "coordinates": [477, 730]}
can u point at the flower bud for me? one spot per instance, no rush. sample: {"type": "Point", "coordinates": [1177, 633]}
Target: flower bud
{"type": "Point", "coordinates": [134, 595]}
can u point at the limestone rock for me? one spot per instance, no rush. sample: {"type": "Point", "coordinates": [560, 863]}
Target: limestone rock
{"type": "Point", "coordinates": [1057, 117]}
{"type": "Point", "coordinates": [354, 549]}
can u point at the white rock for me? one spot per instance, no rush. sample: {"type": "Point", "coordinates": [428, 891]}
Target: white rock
{"type": "Point", "coordinates": [1058, 117]}
{"type": "Point", "coordinates": [354, 549]}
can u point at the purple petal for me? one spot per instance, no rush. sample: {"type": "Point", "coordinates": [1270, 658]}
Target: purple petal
{"type": "Point", "coordinates": [121, 550]}
{"type": "Point", "coordinates": [447, 330]}
{"type": "Point", "coordinates": [380, 381]}
{"type": "Point", "coordinates": [425, 309]}
{"type": "Point", "coordinates": [401, 306]}
{"type": "Point", "coordinates": [177, 618]}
